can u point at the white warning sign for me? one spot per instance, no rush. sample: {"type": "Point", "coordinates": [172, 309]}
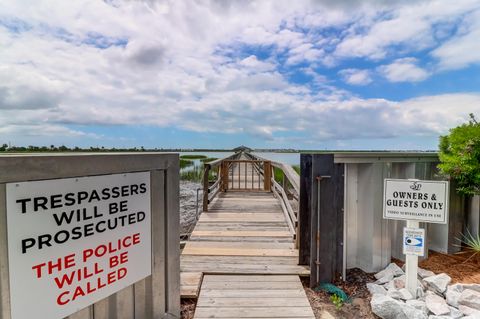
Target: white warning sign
{"type": "Point", "coordinates": [414, 241]}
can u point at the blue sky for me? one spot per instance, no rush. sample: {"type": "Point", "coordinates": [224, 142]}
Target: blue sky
{"type": "Point", "coordinates": [216, 74]}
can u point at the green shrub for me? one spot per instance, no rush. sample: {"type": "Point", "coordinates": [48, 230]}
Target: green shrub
{"type": "Point", "coordinates": [337, 301]}
{"type": "Point", "coordinates": [460, 156]}
{"type": "Point", "coordinates": [193, 156]}
{"type": "Point", "coordinates": [473, 244]}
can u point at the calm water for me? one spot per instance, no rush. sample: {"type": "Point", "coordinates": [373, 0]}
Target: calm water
{"type": "Point", "coordinates": [287, 158]}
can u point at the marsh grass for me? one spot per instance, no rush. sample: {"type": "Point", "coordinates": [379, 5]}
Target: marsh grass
{"type": "Point", "coordinates": [185, 163]}
{"type": "Point", "coordinates": [193, 157]}
{"type": "Point", "coordinates": [196, 174]}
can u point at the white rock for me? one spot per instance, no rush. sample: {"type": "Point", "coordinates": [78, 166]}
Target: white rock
{"type": "Point", "coordinates": [467, 311]}
{"type": "Point", "coordinates": [387, 276]}
{"type": "Point", "coordinates": [470, 298]}
{"type": "Point", "coordinates": [402, 294]}
{"type": "Point", "coordinates": [388, 308]}
{"type": "Point", "coordinates": [455, 313]}
{"type": "Point", "coordinates": [399, 282]}
{"type": "Point", "coordinates": [438, 283]}
{"type": "Point", "coordinates": [376, 289]}
{"type": "Point", "coordinates": [475, 287]}
{"type": "Point", "coordinates": [418, 304]}
{"type": "Point", "coordinates": [438, 317]}
{"type": "Point", "coordinates": [392, 267]}
{"type": "Point", "coordinates": [477, 316]}
{"type": "Point", "coordinates": [453, 294]}
{"type": "Point", "coordinates": [420, 292]}
{"type": "Point", "coordinates": [423, 273]}
{"type": "Point", "coordinates": [389, 285]}
{"type": "Point", "coordinates": [437, 305]}
{"type": "Point", "coordinates": [406, 295]}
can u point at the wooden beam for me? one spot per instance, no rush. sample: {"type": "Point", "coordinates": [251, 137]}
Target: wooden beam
{"type": "Point", "coordinates": [304, 226]}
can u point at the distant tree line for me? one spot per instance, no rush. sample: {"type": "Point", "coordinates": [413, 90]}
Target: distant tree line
{"type": "Point", "coordinates": [62, 148]}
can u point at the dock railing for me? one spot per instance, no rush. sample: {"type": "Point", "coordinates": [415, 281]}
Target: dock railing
{"type": "Point", "coordinates": [244, 171]}
{"type": "Point", "coordinates": [288, 192]}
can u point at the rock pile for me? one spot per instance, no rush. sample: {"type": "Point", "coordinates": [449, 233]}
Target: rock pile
{"type": "Point", "coordinates": [436, 297]}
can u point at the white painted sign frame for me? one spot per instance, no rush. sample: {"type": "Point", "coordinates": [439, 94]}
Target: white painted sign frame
{"type": "Point", "coordinates": [440, 188]}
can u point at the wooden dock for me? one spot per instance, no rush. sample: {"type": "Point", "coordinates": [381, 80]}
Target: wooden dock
{"type": "Point", "coordinates": [252, 296]}
{"type": "Point", "coordinates": [241, 260]}
{"type": "Point", "coordinates": [242, 233]}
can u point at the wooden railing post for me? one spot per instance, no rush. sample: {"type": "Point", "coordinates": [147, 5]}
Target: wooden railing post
{"type": "Point", "coordinates": [267, 176]}
{"type": "Point", "coordinates": [205, 187]}
{"type": "Point", "coordinates": [224, 176]}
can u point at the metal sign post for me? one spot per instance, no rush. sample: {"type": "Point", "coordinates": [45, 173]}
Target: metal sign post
{"type": "Point", "coordinates": [415, 201]}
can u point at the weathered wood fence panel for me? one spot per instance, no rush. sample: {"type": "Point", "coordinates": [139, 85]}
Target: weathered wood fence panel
{"type": "Point", "coordinates": [157, 296]}
{"type": "Point", "coordinates": [321, 200]}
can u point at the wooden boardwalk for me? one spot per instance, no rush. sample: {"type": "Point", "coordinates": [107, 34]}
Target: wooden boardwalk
{"type": "Point", "coordinates": [242, 233]}
{"type": "Point", "coordinates": [252, 296]}
{"type": "Point", "coordinates": [240, 260]}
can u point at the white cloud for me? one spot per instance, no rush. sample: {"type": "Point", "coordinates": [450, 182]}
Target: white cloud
{"type": "Point", "coordinates": [356, 76]}
{"type": "Point", "coordinates": [403, 70]}
{"type": "Point", "coordinates": [409, 27]}
{"type": "Point", "coordinates": [462, 50]}
{"type": "Point", "coordinates": [183, 64]}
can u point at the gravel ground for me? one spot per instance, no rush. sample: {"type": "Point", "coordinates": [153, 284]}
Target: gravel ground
{"type": "Point", "coordinates": [188, 195]}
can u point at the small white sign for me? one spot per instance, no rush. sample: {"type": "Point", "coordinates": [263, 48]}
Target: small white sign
{"type": "Point", "coordinates": [75, 241]}
{"type": "Point", "coordinates": [414, 241]}
{"type": "Point", "coordinates": [423, 201]}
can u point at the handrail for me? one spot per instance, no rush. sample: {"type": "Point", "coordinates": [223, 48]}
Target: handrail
{"type": "Point", "coordinates": [288, 171]}
{"type": "Point", "coordinates": [207, 189]}
{"type": "Point", "coordinates": [284, 191]}
{"type": "Point", "coordinates": [286, 206]}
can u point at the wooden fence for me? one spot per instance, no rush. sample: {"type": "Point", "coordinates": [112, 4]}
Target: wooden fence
{"type": "Point", "coordinates": [158, 295]}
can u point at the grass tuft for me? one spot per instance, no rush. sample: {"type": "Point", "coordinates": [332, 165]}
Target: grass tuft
{"type": "Point", "coordinates": [193, 156]}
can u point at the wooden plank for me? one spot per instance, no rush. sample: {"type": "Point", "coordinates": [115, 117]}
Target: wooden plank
{"type": "Point", "coordinates": [242, 233]}
{"type": "Point", "coordinates": [259, 285]}
{"type": "Point", "coordinates": [243, 312]}
{"type": "Point", "coordinates": [241, 244]}
{"type": "Point", "coordinates": [242, 227]}
{"type": "Point", "coordinates": [189, 291]}
{"type": "Point", "coordinates": [260, 278]}
{"type": "Point", "coordinates": [210, 251]}
{"type": "Point", "coordinates": [326, 215]}
{"type": "Point", "coordinates": [240, 259]}
{"type": "Point", "coordinates": [190, 278]}
{"type": "Point", "coordinates": [241, 217]}
{"type": "Point", "coordinates": [85, 313]}
{"type": "Point", "coordinates": [171, 230]}
{"type": "Point", "coordinates": [253, 302]}
{"type": "Point", "coordinates": [242, 239]}
{"type": "Point", "coordinates": [156, 283]}
{"type": "Point", "coordinates": [252, 293]}
{"type": "Point", "coordinates": [223, 269]}
{"type": "Point", "coordinates": [304, 227]}
{"type": "Point", "coordinates": [4, 274]}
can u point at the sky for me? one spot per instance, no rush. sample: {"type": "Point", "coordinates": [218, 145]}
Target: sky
{"type": "Point", "coordinates": [331, 74]}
